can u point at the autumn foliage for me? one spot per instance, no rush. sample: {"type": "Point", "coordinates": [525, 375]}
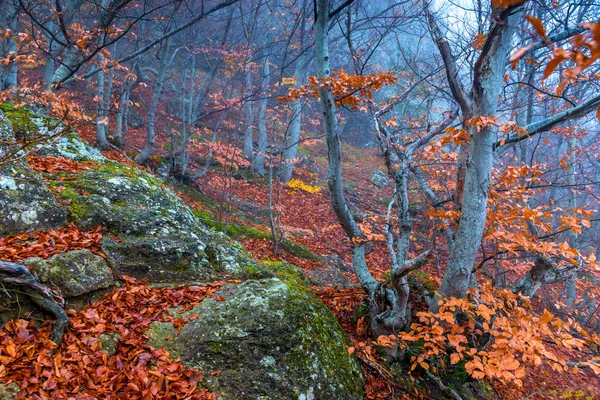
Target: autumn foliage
{"type": "Point", "coordinates": [80, 369]}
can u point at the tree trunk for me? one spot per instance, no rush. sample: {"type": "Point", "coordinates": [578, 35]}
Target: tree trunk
{"type": "Point", "coordinates": [487, 82]}
{"type": "Point", "coordinates": [291, 144]}
{"type": "Point", "coordinates": [259, 162]}
{"type": "Point", "coordinates": [158, 88]}
{"type": "Point", "coordinates": [248, 149]}
{"type": "Point", "coordinates": [102, 117]}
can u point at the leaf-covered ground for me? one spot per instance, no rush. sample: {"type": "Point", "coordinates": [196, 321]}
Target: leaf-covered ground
{"type": "Point", "coordinates": [80, 369]}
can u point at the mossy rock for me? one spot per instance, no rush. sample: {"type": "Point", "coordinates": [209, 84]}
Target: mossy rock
{"type": "Point", "coordinates": [286, 272]}
{"type": "Point", "coordinates": [9, 392]}
{"type": "Point", "coordinates": [75, 273]}
{"type": "Point", "coordinates": [26, 203]}
{"type": "Point", "coordinates": [270, 340]}
{"type": "Point", "coordinates": [109, 343]}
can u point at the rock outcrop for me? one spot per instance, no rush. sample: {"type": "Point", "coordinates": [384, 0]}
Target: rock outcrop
{"type": "Point", "coordinates": [154, 235]}
{"type": "Point", "coordinates": [271, 340]}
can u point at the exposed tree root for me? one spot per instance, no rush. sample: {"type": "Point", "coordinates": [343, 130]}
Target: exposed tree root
{"type": "Point", "coordinates": [19, 275]}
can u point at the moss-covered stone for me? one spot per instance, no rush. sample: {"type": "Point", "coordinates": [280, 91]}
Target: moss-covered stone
{"type": "Point", "coordinates": [271, 340]}
{"type": "Point", "coordinates": [286, 272]}
{"type": "Point", "coordinates": [109, 342]}
{"type": "Point", "coordinates": [9, 392]}
{"type": "Point", "coordinates": [26, 203]}
{"type": "Point", "coordinates": [75, 272]}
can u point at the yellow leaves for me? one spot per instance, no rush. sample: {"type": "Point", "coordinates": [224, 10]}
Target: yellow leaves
{"type": "Point", "coordinates": [289, 81]}
{"type": "Point", "coordinates": [298, 184]}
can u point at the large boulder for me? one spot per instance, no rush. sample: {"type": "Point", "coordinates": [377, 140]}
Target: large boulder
{"type": "Point", "coordinates": [154, 234]}
{"type": "Point", "coordinates": [270, 340]}
{"type": "Point", "coordinates": [75, 273]}
{"type": "Point", "coordinates": [26, 204]}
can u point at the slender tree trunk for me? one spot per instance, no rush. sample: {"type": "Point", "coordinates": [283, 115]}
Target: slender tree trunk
{"type": "Point", "coordinates": [259, 162]}
{"type": "Point", "coordinates": [121, 118]}
{"type": "Point", "coordinates": [248, 148]}
{"type": "Point", "coordinates": [101, 118]}
{"type": "Point", "coordinates": [334, 170]}
{"type": "Point", "coordinates": [150, 121]}
{"type": "Point", "coordinates": [291, 145]}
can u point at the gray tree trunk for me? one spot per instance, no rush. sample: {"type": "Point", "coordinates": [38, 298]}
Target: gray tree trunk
{"type": "Point", "coordinates": [291, 144]}
{"type": "Point", "coordinates": [248, 148]}
{"type": "Point", "coordinates": [259, 162]}
{"type": "Point", "coordinates": [101, 118]}
{"type": "Point", "coordinates": [487, 84]}
{"type": "Point", "coordinates": [150, 121]}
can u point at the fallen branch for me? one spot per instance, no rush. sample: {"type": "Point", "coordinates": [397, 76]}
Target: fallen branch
{"type": "Point", "coordinates": [20, 276]}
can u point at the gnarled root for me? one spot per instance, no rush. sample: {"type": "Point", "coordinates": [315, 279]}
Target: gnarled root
{"type": "Point", "coordinates": [20, 276]}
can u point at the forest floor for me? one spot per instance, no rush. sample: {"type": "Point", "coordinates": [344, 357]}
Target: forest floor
{"type": "Point", "coordinates": [306, 217]}
{"type": "Point", "coordinates": [241, 199]}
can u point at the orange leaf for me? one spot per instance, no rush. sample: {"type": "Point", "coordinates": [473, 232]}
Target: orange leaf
{"type": "Point", "coordinates": [537, 24]}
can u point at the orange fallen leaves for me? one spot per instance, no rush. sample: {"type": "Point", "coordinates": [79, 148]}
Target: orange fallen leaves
{"type": "Point", "coordinates": [45, 244]}
{"type": "Point", "coordinates": [81, 369]}
{"type": "Point", "coordinates": [55, 165]}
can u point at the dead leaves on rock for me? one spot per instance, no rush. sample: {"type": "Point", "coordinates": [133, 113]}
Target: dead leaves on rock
{"type": "Point", "coordinates": [45, 244]}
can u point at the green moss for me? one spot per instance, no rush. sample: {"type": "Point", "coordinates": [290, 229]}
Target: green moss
{"type": "Point", "coordinates": [109, 342]}
{"type": "Point", "coordinates": [286, 272]}
{"type": "Point", "coordinates": [159, 335]}
{"type": "Point", "coordinates": [255, 271]}
{"type": "Point", "coordinates": [20, 118]}
{"type": "Point", "coordinates": [323, 335]}
{"type": "Point", "coordinates": [299, 250]}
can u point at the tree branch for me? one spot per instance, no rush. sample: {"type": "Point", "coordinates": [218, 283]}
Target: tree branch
{"type": "Point", "coordinates": [550, 122]}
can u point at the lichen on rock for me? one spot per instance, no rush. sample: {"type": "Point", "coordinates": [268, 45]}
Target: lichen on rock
{"type": "Point", "coordinates": [75, 272]}
{"type": "Point", "coordinates": [270, 340]}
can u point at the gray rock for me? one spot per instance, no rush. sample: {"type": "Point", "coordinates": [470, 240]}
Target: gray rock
{"type": "Point", "coordinates": [75, 272]}
{"type": "Point", "coordinates": [109, 343]}
{"type": "Point", "coordinates": [380, 179]}
{"type": "Point", "coordinates": [158, 237]}
{"type": "Point", "coordinates": [331, 273]}
{"type": "Point", "coordinates": [74, 148]}
{"type": "Point", "coordinates": [26, 204]}
{"type": "Point", "coordinates": [6, 134]}
{"type": "Point", "coordinates": [270, 340]}
{"type": "Point", "coordinates": [9, 392]}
